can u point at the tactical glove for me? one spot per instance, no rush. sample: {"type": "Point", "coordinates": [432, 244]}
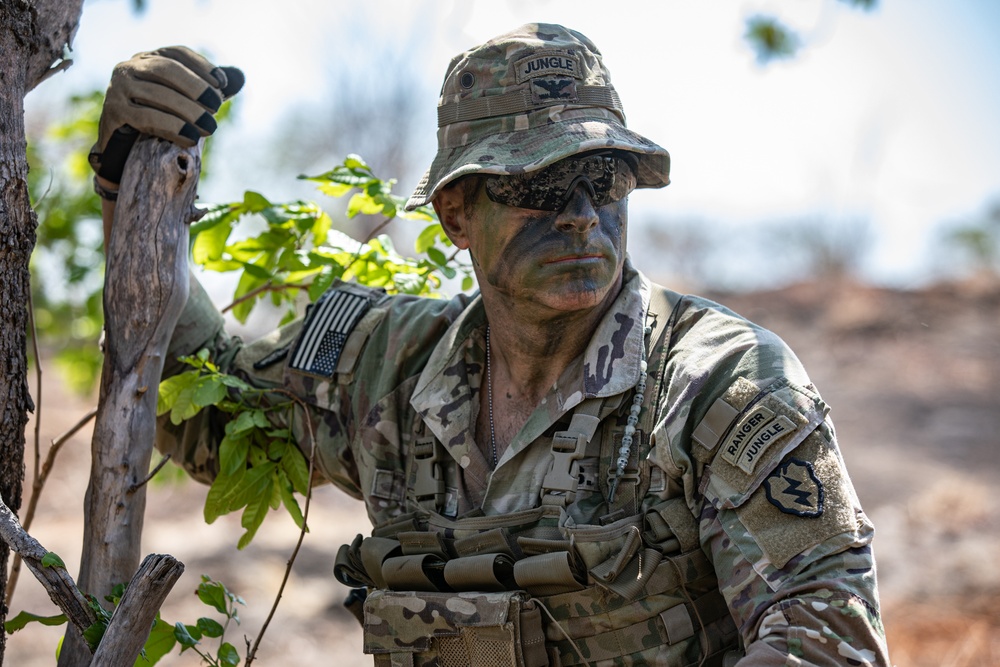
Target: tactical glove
{"type": "Point", "coordinates": [169, 93]}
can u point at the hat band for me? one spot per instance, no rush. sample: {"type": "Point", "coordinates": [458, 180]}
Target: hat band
{"type": "Point", "coordinates": [522, 101]}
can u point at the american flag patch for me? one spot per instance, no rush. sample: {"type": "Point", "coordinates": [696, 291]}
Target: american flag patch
{"type": "Point", "coordinates": [325, 331]}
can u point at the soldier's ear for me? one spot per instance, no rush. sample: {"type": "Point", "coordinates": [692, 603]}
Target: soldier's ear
{"type": "Point", "coordinates": [449, 204]}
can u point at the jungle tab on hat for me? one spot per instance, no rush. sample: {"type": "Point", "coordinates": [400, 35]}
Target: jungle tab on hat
{"type": "Point", "coordinates": [525, 100]}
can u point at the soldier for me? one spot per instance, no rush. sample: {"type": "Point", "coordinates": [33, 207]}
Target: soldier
{"type": "Point", "coordinates": [574, 466]}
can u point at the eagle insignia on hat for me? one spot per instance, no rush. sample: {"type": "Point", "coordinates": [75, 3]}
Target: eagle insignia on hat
{"type": "Point", "coordinates": [794, 489]}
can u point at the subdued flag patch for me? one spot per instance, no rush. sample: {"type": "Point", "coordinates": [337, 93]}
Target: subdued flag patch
{"type": "Point", "coordinates": [325, 331]}
{"type": "Point", "coordinates": [794, 489]}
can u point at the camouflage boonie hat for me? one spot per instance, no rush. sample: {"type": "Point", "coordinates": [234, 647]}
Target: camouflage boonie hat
{"type": "Point", "coordinates": [526, 99]}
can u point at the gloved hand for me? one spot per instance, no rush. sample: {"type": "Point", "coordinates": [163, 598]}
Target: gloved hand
{"type": "Point", "coordinates": [170, 93]}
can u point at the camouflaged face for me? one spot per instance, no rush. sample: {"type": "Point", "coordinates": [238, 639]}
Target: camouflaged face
{"type": "Point", "coordinates": [525, 100]}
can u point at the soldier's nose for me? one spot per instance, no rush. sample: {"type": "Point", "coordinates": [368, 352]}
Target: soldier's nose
{"type": "Point", "coordinates": [579, 215]}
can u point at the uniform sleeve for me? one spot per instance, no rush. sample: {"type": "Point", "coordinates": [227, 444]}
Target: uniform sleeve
{"type": "Point", "coordinates": [750, 443]}
{"type": "Point", "coordinates": [795, 564]}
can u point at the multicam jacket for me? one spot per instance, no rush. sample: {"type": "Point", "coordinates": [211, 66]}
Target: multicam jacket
{"type": "Point", "coordinates": [734, 506]}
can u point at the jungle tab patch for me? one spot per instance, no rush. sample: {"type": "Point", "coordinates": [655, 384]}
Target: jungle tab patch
{"type": "Point", "coordinates": [794, 489]}
{"type": "Point", "coordinates": [753, 435]}
{"type": "Point", "coordinates": [548, 63]}
{"type": "Point", "coordinates": [325, 331]}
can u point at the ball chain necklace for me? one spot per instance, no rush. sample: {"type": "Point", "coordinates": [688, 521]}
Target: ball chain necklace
{"type": "Point", "coordinates": [489, 398]}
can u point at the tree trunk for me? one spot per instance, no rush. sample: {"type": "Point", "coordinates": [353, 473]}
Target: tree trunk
{"type": "Point", "coordinates": [32, 37]}
{"type": "Point", "coordinates": [145, 289]}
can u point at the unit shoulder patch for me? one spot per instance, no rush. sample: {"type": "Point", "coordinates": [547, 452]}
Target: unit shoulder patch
{"type": "Point", "coordinates": [795, 489]}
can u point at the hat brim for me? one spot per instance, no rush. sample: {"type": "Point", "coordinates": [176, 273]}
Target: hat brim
{"type": "Point", "coordinates": [527, 150]}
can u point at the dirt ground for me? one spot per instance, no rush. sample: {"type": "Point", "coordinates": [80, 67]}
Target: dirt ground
{"type": "Point", "coordinates": [914, 382]}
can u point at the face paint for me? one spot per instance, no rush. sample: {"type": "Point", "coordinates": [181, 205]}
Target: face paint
{"type": "Point", "coordinates": [607, 178]}
{"type": "Point", "coordinates": [567, 260]}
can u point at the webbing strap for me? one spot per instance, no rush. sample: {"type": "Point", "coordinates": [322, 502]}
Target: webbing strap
{"type": "Point", "coordinates": [520, 101]}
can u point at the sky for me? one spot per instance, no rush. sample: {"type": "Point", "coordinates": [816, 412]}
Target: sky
{"type": "Point", "coordinates": [886, 117]}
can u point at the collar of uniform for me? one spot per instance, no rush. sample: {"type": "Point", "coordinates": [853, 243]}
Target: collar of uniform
{"type": "Point", "coordinates": [444, 394]}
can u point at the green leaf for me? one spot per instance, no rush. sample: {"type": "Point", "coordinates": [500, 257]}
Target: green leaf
{"type": "Point", "coordinates": [210, 627]}
{"type": "Point", "coordinates": [295, 466]}
{"type": "Point", "coordinates": [467, 283]}
{"type": "Point", "coordinates": [360, 202]}
{"type": "Point", "coordinates": [244, 422]}
{"type": "Point", "coordinates": [223, 487]}
{"type": "Point", "coordinates": [95, 633]}
{"type": "Point", "coordinates": [260, 419]}
{"type": "Point", "coordinates": [161, 642]}
{"type": "Point", "coordinates": [184, 406]}
{"type": "Point", "coordinates": [428, 237]}
{"type": "Point", "coordinates": [770, 39]}
{"type": "Point", "coordinates": [209, 390]}
{"type": "Point", "coordinates": [437, 256]}
{"type": "Point", "coordinates": [210, 243]}
{"type": "Point", "coordinates": [255, 511]}
{"type": "Point", "coordinates": [183, 636]}
{"type": "Point", "coordinates": [288, 499]}
{"type": "Point", "coordinates": [258, 272]}
{"type": "Point", "coordinates": [18, 622]}
{"type": "Point", "coordinates": [233, 454]}
{"type": "Point", "coordinates": [52, 559]}
{"type": "Point", "coordinates": [228, 655]}
{"type": "Point", "coordinates": [276, 449]}
{"type": "Point", "coordinates": [171, 388]}
{"type": "Point", "coordinates": [255, 202]}
{"type": "Point", "coordinates": [213, 594]}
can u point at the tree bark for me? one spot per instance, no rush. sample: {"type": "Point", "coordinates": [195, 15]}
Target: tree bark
{"type": "Point", "coordinates": [145, 289]}
{"type": "Point", "coordinates": [32, 37]}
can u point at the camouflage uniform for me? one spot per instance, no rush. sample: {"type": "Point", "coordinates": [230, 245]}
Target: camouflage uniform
{"type": "Point", "coordinates": [733, 532]}
{"type": "Point", "coordinates": [786, 541]}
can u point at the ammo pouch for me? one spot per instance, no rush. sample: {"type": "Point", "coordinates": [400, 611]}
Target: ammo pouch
{"type": "Point", "coordinates": [407, 628]}
{"type": "Point", "coordinates": [519, 589]}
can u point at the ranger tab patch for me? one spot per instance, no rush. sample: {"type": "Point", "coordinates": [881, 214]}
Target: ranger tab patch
{"type": "Point", "coordinates": [753, 435]}
{"type": "Point", "coordinates": [794, 489]}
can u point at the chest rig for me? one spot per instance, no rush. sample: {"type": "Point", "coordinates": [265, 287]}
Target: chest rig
{"type": "Point", "coordinates": [548, 585]}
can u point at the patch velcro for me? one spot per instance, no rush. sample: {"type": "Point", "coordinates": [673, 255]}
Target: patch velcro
{"type": "Point", "coordinates": [807, 500]}
{"type": "Point", "coordinates": [326, 329]}
{"type": "Point", "coordinates": [770, 426]}
{"type": "Point", "coordinates": [720, 417]}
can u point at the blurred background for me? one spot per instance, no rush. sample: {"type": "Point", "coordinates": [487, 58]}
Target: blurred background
{"type": "Point", "coordinates": [836, 178]}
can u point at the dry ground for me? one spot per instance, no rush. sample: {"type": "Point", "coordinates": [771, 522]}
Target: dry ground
{"type": "Point", "coordinates": [914, 381]}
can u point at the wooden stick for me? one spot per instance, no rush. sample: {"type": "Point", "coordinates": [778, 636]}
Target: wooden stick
{"type": "Point", "coordinates": [56, 581]}
{"type": "Point", "coordinates": [129, 627]}
{"type": "Point", "coordinates": [145, 289]}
